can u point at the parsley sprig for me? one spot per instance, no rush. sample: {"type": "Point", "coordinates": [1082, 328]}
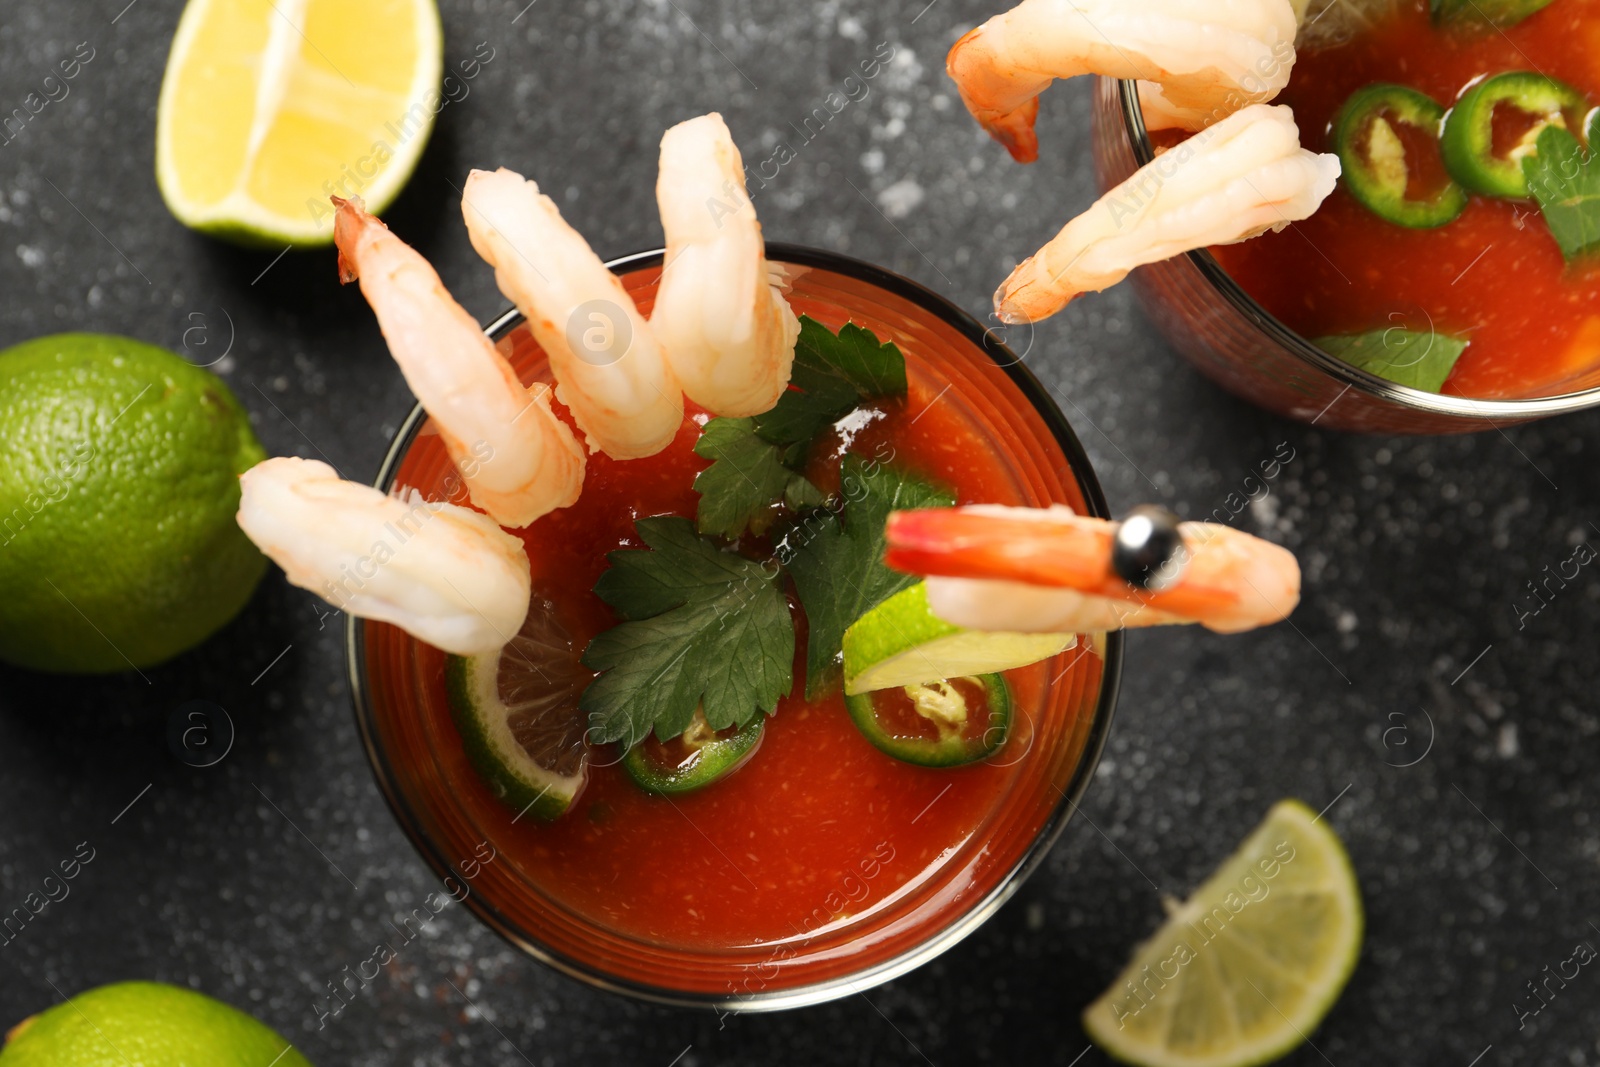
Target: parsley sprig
{"type": "Point", "coordinates": [702, 627]}
{"type": "Point", "coordinates": [757, 462]}
{"type": "Point", "coordinates": [1566, 182]}
{"type": "Point", "coordinates": [1408, 357]}
{"type": "Point", "coordinates": [706, 627]}
{"type": "Point", "coordinates": [836, 561]}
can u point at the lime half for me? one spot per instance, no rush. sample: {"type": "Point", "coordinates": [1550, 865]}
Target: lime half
{"type": "Point", "coordinates": [517, 710]}
{"type": "Point", "coordinates": [902, 642]}
{"type": "Point", "coordinates": [1247, 967]}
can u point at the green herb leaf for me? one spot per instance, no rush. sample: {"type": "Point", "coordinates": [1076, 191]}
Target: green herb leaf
{"type": "Point", "coordinates": [1501, 13]}
{"type": "Point", "coordinates": [1567, 186]}
{"type": "Point", "coordinates": [832, 376]}
{"type": "Point", "coordinates": [837, 563]}
{"type": "Point", "coordinates": [703, 627]}
{"type": "Point", "coordinates": [746, 480]}
{"type": "Point", "coordinates": [1405, 357]}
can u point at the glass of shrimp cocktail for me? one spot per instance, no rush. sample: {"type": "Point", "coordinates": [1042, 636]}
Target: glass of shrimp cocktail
{"type": "Point", "coordinates": [820, 864]}
{"type": "Point", "coordinates": [1374, 215]}
{"type": "Point", "coordinates": [732, 624]}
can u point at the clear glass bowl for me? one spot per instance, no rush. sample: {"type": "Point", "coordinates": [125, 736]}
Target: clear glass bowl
{"type": "Point", "coordinates": [422, 770]}
{"type": "Point", "coordinates": [1232, 339]}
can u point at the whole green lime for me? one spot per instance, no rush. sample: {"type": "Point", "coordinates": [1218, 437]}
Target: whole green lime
{"type": "Point", "coordinates": [145, 1024]}
{"type": "Point", "coordinates": [119, 466]}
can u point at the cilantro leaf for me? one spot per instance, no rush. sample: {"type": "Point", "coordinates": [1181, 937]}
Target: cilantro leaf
{"type": "Point", "coordinates": [1405, 357]}
{"type": "Point", "coordinates": [1498, 13]}
{"type": "Point", "coordinates": [703, 627]}
{"type": "Point", "coordinates": [837, 562]}
{"type": "Point", "coordinates": [1567, 186]}
{"type": "Point", "coordinates": [832, 375]}
{"type": "Point", "coordinates": [746, 479]}
{"type": "Point", "coordinates": [755, 461]}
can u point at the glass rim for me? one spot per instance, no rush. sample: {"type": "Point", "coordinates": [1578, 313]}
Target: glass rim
{"type": "Point", "coordinates": [1303, 350]}
{"type": "Point", "coordinates": [942, 938]}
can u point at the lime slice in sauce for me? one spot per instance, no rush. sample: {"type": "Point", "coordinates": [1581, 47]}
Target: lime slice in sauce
{"type": "Point", "coordinates": [517, 710]}
{"type": "Point", "coordinates": [902, 642]}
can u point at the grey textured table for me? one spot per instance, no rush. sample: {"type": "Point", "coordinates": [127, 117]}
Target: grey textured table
{"type": "Point", "coordinates": [260, 878]}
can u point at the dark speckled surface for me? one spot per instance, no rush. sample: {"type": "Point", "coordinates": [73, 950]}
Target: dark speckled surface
{"type": "Point", "coordinates": [260, 878]}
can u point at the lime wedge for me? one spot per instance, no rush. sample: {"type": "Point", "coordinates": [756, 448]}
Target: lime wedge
{"type": "Point", "coordinates": [1247, 967]}
{"type": "Point", "coordinates": [517, 710]}
{"type": "Point", "coordinates": [901, 642]}
{"type": "Point", "coordinates": [267, 108]}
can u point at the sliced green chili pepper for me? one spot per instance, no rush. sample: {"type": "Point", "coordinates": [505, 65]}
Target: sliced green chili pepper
{"type": "Point", "coordinates": [1387, 138]}
{"type": "Point", "coordinates": [942, 724]}
{"type": "Point", "coordinates": [694, 759]}
{"type": "Point", "coordinates": [1486, 12]}
{"type": "Point", "coordinates": [1498, 121]}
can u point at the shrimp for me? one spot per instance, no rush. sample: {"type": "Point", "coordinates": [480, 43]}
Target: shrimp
{"type": "Point", "coordinates": [1228, 183]}
{"type": "Point", "coordinates": [1209, 57]}
{"type": "Point", "coordinates": [727, 331]}
{"type": "Point", "coordinates": [1047, 570]}
{"type": "Point", "coordinates": [518, 460]}
{"type": "Point", "coordinates": [610, 372]}
{"type": "Point", "coordinates": [1162, 114]}
{"type": "Point", "coordinates": [445, 574]}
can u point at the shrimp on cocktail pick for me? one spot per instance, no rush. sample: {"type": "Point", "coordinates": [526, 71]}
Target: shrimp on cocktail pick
{"type": "Point", "coordinates": [518, 460]}
{"type": "Point", "coordinates": [1048, 570]}
{"type": "Point", "coordinates": [446, 575]}
{"type": "Point", "coordinates": [1208, 57]}
{"type": "Point", "coordinates": [1227, 183]}
{"type": "Point", "coordinates": [609, 370]}
{"type": "Point", "coordinates": [727, 330]}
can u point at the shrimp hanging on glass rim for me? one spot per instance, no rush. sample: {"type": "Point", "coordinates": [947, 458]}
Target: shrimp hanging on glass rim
{"type": "Point", "coordinates": [610, 371]}
{"type": "Point", "coordinates": [1242, 177]}
{"type": "Point", "coordinates": [727, 329]}
{"type": "Point", "coordinates": [1199, 60]}
{"type": "Point", "coordinates": [1050, 570]}
{"type": "Point", "coordinates": [518, 459]}
{"type": "Point", "coordinates": [445, 574]}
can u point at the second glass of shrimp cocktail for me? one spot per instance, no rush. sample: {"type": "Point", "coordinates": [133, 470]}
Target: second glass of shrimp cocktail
{"type": "Point", "coordinates": [735, 625]}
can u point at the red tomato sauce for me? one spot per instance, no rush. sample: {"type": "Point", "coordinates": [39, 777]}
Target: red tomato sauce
{"type": "Point", "coordinates": [1494, 276]}
{"type": "Point", "coordinates": [817, 826]}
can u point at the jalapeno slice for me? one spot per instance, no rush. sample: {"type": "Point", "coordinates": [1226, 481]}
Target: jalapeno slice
{"type": "Point", "coordinates": [1497, 122]}
{"type": "Point", "coordinates": [1387, 137]}
{"type": "Point", "coordinates": [692, 760]}
{"type": "Point", "coordinates": [941, 724]}
{"type": "Point", "coordinates": [1486, 12]}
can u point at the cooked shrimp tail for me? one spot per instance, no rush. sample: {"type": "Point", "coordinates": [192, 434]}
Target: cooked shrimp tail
{"type": "Point", "coordinates": [517, 459]}
{"type": "Point", "coordinates": [1047, 570]}
{"type": "Point", "coordinates": [1228, 183]}
{"type": "Point", "coordinates": [1209, 57]}
{"type": "Point", "coordinates": [446, 575]}
{"type": "Point", "coordinates": [610, 371]}
{"type": "Point", "coordinates": [727, 330]}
